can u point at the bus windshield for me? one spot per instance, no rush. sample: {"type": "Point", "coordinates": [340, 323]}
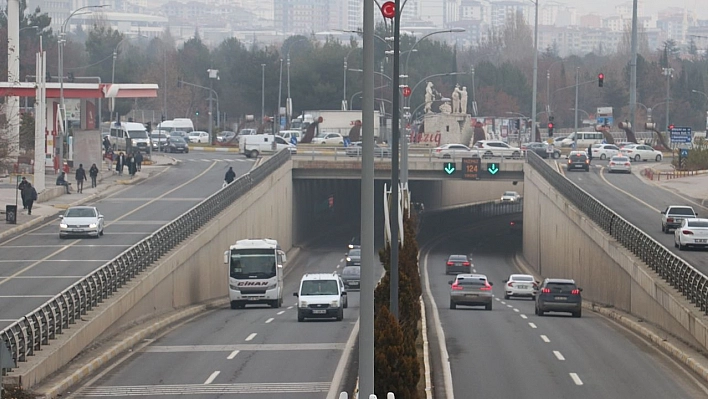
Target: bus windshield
{"type": "Point", "coordinates": [252, 263]}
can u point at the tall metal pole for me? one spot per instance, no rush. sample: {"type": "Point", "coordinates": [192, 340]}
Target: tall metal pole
{"type": "Point", "coordinates": [288, 102]}
{"type": "Point", "coordinates": [535, 70]}
{"type": "Point", "coordinates": [366, 311]}
{"type": "Point", "coordinates": [344, 95]}
{"type": "Point", "coordinates": [13, 76]}
{"type": "Point", "coordinates": [633, 67]}
{"type": "Point", "coordinates": [280, 92]}
{"type": "Point", "coordinates": [548, 92]}
{"type": "Point", "coordinates": [211, 84]}
{"type": "Point", "coordinates": [577, 88]}
{"type": "Point", "coordinates": [668, 72]}
{"type": "Point", "coordinates": [164, 88]}
{"type": "Point", "coordinates": [262, 92]}
{"type": "Point", "coordinates": [61, 98]}
{"type": "Point", "coordinates": [396, 121]}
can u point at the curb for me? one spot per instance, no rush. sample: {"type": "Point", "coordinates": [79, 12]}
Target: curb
{"type": "Point", "coordinates": [214, 149]}
{"type": "Point", "coordinates": [122, 346]}
{"type": "Point", "coordinates": [658, 341]}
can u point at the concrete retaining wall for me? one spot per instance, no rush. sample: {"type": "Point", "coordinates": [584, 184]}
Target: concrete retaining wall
{"type": "Point", "coordinates": [193, 272]}
{"type": "Point", "coordinates": [559, 241]}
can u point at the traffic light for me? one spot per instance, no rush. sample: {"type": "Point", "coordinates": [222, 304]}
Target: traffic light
{"type": "Point", "coordinates": [517, 124]}
{"type": "Point", "coordinates": [600, 79]}
{"type": "Point", "coordinates": [163, 118]}
{"type": "Point", "coordinates": [71, 77]}
{"type": "Point", "coordinates": [388, 10]}
{"type": "Point", "coordinates": [671, 127]}
{"type": "Point", "coordinates": [148, 127]}
{"type": "Point", "coordinates": [550, 129]}
{"type": "Point", "coordinates": [196, 112]}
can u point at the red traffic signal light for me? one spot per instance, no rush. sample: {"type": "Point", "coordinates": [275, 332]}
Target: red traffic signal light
{"type": "Point", "coordinates": [388, 9]}
{"type": "Point", "coordinates": [671, 127]}
{"type": "Point", "coordinates": [550, 129]}
{"type": "Point", "coordinates": [406, 91]}
{"type": "Point", "coordinates": [550, 125]}
{"type": "Point", "coordinates": [601, 79]}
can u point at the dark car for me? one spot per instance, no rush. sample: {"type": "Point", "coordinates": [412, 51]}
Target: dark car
{"type": "Point", "coordinates": [354, 257]}
{"type": "Point", "coordinates": [351, 275]}
{"type": "Point", "coordinates": [355, 242]}
{"type": "Point", "coordinates": [458, 264]}
{"type": "Point", "coordinates": [578, 160]}
{"type": "Point", "coordinates": [176, 144]}
{"type": "Point", "coordinates": [559, 295]}
{"type": "Point", "coordinates": [542, 150]}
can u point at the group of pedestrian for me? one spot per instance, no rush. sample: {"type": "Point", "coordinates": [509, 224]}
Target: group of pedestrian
{"type": "Point", "coordinates": [28, 194]}
{"type": "Point", "coordinates": [132, 161]}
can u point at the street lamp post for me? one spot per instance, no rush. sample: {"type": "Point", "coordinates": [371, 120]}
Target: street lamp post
{"type": "Point", "coordinates": [669, 73]}
{"type": "Point", "coordinates": [62, 105]}
{"type": "Point", "coordinates": [289, 101]}
{"type": "Point", "coordinates": [535, 69]}
{"type": "Point", "coordinates": [113, 71]}
{"type": "Point", "coordinates": [263, 92]}
{"type": "Point", "coordinates": [213, 74]}
{"type": "Point", "coordinates": [344, 96]}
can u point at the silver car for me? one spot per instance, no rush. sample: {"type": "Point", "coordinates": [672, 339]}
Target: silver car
{"type": "Point", "coordinates": [471, 290]}
{"type": "Point", "coordinates": [81, 221]}
{"type": "Point", "coordinates": [619, 163]}
{"type": "Point", "coordinates": [351, 276]}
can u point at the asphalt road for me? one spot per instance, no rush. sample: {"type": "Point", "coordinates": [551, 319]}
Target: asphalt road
{"type": "Point", "coordinates": [640, 203]}
{"type": "Point", "coordinates": [242, 353]}
{"type": "Point", "coordinates": [511, 353]}
{"type": "Point", "coordinates": [36, 264]}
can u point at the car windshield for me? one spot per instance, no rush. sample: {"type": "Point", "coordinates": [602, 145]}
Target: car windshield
{"type": "Point", "coordinates": [522, 278]}
{"type": "Point", "coordinates": [351, 271]}
{"type": "Point", "coordinates": [473, 281]}
{"type": "Point", "coordinates": [80, 213]}
{"type": "Point", "coordinates": [176, 139]}
{"type": "Point", "coordinates": [561, 287]}
{"type": "Point", "coordinates": [697, 223]}
{"type": "Point", "coordinates": [252, 263]}
{"type": "Point", "coordinates": [578, 157]}
{"type": "Point", "coordinates": [160, 136]}
{"type": "Point", "coordinates": [510, 193]}
{"type": "Point", "coordinates": [458, 258]}
{"type": "Point", "coordinates": [354, 253]}
{"type": "Point", "coordinates": [319, 287]}
{"type": "Point", "coordinates": [138, 134]}
{"type": "Point", "coordinates": [620, 159]}
{"type": "Point", "coordinates": [321, 135]}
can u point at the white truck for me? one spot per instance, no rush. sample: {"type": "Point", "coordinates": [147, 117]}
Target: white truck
{"type": "Point", "coordinates": [253, 145]}
{"type": "Point", "coordinates": [333, 121]}
{"type": "Point", "coordinates": [673, 216]}
{"type": "Point", "coordinates": [255, 272]}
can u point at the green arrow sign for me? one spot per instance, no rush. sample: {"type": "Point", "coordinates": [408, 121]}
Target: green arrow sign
{"type": "Point", "coordinates": [493, 168]}
{"type": "Point", "coordinates": [449, 168]}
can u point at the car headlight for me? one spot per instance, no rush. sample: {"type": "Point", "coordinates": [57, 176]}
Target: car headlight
{"type": "Point", "coordinates": [134, 141]}
{"type": "Point", "coordinates": [334, 304]}
{"type": "Point", "coordinates": [349, 259]}
{"type": "Point", "coordinates": [63, 225]}
{"type": "Point", "coordinates": [93, 225]}
{"type": "Point", "coordinates": [303, 304]}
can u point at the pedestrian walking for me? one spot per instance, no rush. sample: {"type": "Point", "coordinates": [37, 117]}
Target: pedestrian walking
{"type": "Point", "coordinates": [80, 178]}
{"type": "Point", "coordinates": [106, 144]}
{"type": "Point", "coordinates": [230, 175]}
{"type": "Point", "coordinates": [93, 172]}
{"type": "Point", "coordinates": [120, 164]}
{"type": "Point", "coordinates": [590, 153]}
{"type": "Point", "coordinates": [138, 160]}
{"type": "Point", "coordinates": [21, 187]}
{"type": "Point", "coordinates": [131, 165]}
{"type": "Point", "coordinates": [109, 159]}
{"type": "Point", "coordinates": [31, 195]}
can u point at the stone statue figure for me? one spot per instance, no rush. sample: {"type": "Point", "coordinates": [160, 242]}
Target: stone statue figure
{"type": "Point", "coordinates": [429, 97]}
{"type": "Point", "coordinates": [456, 100]}
{"type": "Point", "coordinates": [463, 100]}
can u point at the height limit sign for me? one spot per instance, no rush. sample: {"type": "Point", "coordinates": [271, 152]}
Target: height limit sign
{"type": "Point", "coordinates": [470, 168]}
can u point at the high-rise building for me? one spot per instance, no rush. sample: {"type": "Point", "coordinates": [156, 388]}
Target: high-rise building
{"type": "Point", "coordinates": [305, 17]}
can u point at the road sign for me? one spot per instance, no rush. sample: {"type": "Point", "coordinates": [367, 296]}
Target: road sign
{"type": "Point", "coordinates": [470, 168]}
{"type": "Point", "coordinates": [493, 168]}
{"type": "Point", "coordinates": [683, 153]}
{"type": "Point", "coordinates": [449, 168]}
{"type": "Point", "coordinates": [681, 134]}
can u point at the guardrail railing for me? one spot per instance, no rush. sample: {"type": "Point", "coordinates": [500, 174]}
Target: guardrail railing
{"type": "Point", "coordinates": [27, 335]}
{"type": "Point", "coordinates": [381, 153]}
{"type": "Point", "coordinates": [451, 218]}
{"type": "Point", "coordinates": [682, 276]}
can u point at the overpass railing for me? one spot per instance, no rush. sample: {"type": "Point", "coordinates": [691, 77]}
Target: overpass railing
{"type": "Point", "coordinates": [682, 276]}
{"type": "Point", "coordinates": [27, 335]}
{"type": "Point", "coordinates": [450, 218]}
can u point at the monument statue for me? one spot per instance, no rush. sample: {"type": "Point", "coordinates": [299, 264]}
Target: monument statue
{"type": "Point", "coordinates": [445, 107]}
{"type": "Point", "coordinates": [429, 97]}
{"type": "Point", "coordinates": [463, 100]}
{"type": "Point", "coordinates": [456, 100]}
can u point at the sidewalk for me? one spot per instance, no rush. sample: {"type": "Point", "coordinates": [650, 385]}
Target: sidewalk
{"type": "Point", "coordinates": [46, 210]}
{"type": "Point", "coordinates": [663, 175]}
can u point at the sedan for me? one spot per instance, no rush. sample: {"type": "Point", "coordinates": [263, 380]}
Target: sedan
{"type": "Point", "coordinates": [328, 138]}
{"type": "Point", "coordinates": [619, 163]}
{"type": "Point", "coordinates": [355, 150]}
{"type": "Point", "coordinates": [458, 264]}
{"type": "Point", "coordinates": [510, 196]}
{"type": "Point", "coordinates": [471, 290]}
{"type": "Point", "coordinates": [559, 295]}
{"type": "Point", "coordinates": [81, 221]}
{"type": "Point", "coordinates": [543, 150]}
{"type": "Point", "coordinates": [496, 148]}
{"type": "Point", "coordinates": [225, 137]}
{"type": "Point", "coordinates": [176, 144]}
{"type": "Point", "coordinates": [641, 152]}
{"type": "Point", "coordinates": [604, 151]}
{"type": "Point", "coordinates": [354, 257]}
{"type": "Point", "coordinates": [523, 285]}
{"type": "Point", "coordinates": [198, 137]}
{"type": "Point", "coordinates": [448, 151]}
{"type": "Point", "coordinates": [159, 140]}
{"type": "Point", "coordinates": [351, 275]}
{"type": "Point", "coordinates": [692, 232]}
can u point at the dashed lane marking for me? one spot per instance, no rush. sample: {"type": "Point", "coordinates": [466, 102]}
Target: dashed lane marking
{"type": "Point", "coordinates": [250, 337]}
{"type": "Point", "coordinates": [269, 320]}
{"type": "Point", "coordinates": [532, 325]}
{"type": "Point", "coordinates": [281, 312]}
{"type": "Point", "coordinates": [545, 339]}
{"type": "Point", "coordinates": [212, 377]}
{"type": "Point", "coordinates": [241, 347]}
{"type": "Point", "coordinates": [576, 379]}
{"type": "Point", "coordinates": [559, 356]}
{"type": "Point", "coordinates": [233, 355]}
{"type": "Point", "coordinates": [523, 316]}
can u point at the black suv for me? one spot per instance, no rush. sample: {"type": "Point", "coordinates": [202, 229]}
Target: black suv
{"type": "Point", "coordinates": [559, 295]}
{"type": "Point", "coordinates": [578, 160]}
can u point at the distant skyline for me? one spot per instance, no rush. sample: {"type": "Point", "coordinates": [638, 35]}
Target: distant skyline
{"type": "Point", "coordinates": [651, 7]}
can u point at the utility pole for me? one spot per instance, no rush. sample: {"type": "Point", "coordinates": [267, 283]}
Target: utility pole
{"type": "Point", "coordinates": [577, 88]}
{"type": "Point", "coordinates": [633, 73]}
{"type": "Point", "coordinates": [669, 73]}
{"type": "Point", "coordinates": [535, 69]}
{"type": "Point", "coordinates": [395, 141]}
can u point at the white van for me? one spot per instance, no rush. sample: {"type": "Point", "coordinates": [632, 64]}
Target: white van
{"type": "Point", "coordinates": [321, 295]}
{"type": "Point", "coordinates": [253, 145]}
{"type": "Point", "coordinates": [288, 135]}
{"type": "Point", "coordinates": [183, 124]}
{"type": "Point", "coordinates": [129, 136]}
{"type": "Point", "coordinates": [584, 139]}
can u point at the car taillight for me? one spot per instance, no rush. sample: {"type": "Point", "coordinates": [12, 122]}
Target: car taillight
{"type": "Point", "coordinates": [575, 292]}
{"type": "Point", "coordinates": [486, 287]}
{"type": "Point", "coordinates": [450, 263]}
{"type": "Point", "coordinates": [670, 220]}
{"type": "Point", "coordinates": [511, 224]}
{"type": "Point", "coordinates": [465, 263]}
{"type": "Point", "coordinates": [510, 284]}
{"type": "Point", "coordinates": [438, 149]}
{"type": "Point", "coordinates": [627, 150]}
{"type": "Point", "coordinates": [612, 163]}
{"type": "Point", "coordinates": [687, 232]}
{"type": "Point", "coordinates": [546, 290]}
{"type": "Point", "coordinates": [627, 164]}
{"type": "Point", "coordinates": [587, 161]}
{"type": "Point", "coordinates": [535, 286]}
{"type": "Point", "coordinates": [456, 287]}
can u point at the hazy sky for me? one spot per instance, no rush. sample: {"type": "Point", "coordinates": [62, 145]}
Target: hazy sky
{"type": "Point", "coordinates": [606, 7]}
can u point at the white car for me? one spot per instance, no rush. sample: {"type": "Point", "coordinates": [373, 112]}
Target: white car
{"type": "Point", "coordinates": [692, 232]}
{"type": "Point", "coordinates": [328, 138]}
{"type": "Point", "coordinates": [641, 152]}
{"type": "Point", "coordinates": [495, 148]}
{"type": "Point", "coordinates": [604, 151]}
{"type": "Point", "coordinates": [198, 137]}
{"type": "Point", "coordinates": [81, 221]}
{"type": "Point", "coordinates": [619, 163]}
{"type": "Point", "coordinates": [448, 151]}
{"type": "Point", "coordinates": [520, 285]}
{"type": "Point", "coordinates": [510, 196]}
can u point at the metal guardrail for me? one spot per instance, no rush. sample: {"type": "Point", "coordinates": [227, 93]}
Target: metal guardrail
{"type": "Point", "coordinates": [451, 218]}
{"type": "Point", "coordinates": [27, 335]}
{"type": "Point", "coordinates": [682, 276]}
{"type": "Point", "coordinates": [315, 151]}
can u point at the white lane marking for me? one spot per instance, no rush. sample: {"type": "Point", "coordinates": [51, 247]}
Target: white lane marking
{"type": "Point", "coordinates": [523, 316]}
{"type": "Point", "coordinates": [545, 338]}
{"type": "Point", "coordinates": [269, 320]}
{"type": "Point", "coordinates": [281, 312]}
{"type": "Point", "coordinates": [558, 355]}
{"type": "Point", "coordinates": [290, 307]}
{"type": "Point", "coordinates": [212, 377]}
{"type": "Point", "coordinates": [250, 337]}
{"type": "Point", "coordinates": [532, 325]}
{"type": "Point", "coordinates": [474, 270]}
{"type": "Point", "coordinates": [516, 310]}
{"type": "Point", "coordinates": [338, 266]}
{"type": "Point", "coordinates": [509, 306]}
{"type": "Point", "coordinates": [232, 355]}
{"type": "Point", "coordinates": [341, 260]}
{"type": "Point", "coordinates": [602, 176]}
{"type": "Point", "coordinates": [503, 303]}
{"type": "Point", "coordinates": [576, 379]}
